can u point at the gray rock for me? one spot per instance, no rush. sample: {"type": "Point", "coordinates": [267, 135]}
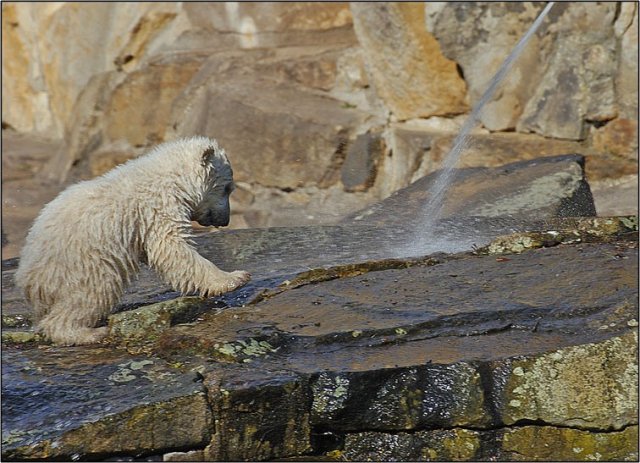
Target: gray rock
{"type": "Point", "coordinates": [578, 85]}
{"type": "Point", "coordinates": [541, 188]}
{"type": "Point", "coordinates": [96, 402]}
{"type": "Point", "coordinates": [479, 36]}
{"type": "Point", "coordinates": [564, 77]}
{"type": "Point", "coordinates": [358, 172]}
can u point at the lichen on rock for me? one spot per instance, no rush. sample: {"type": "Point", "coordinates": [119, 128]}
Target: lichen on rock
{"type": "Point", "coordinates": [590, 386]}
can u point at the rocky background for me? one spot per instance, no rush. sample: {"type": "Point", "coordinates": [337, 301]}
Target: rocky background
{"type": "Point", "coordinates": [323, 108]}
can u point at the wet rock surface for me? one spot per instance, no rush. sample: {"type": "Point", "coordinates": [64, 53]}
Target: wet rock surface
{"type": "Point", "coordinates": [512, 327]}
{"type": "Point", "coordinates": [474, 355]}
{"type": "Point", "coordinates": [97, 402]}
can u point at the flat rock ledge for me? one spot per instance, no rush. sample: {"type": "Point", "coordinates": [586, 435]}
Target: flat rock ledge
{"type": "Point", "coordinates": [523, 349]}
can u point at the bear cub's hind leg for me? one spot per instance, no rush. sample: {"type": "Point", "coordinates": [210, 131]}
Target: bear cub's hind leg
{"type": "Point", "coordinates": [69, 325]}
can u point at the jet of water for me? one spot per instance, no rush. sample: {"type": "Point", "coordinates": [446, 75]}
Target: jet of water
{"type": "Point", "coordinates": [436, 193]}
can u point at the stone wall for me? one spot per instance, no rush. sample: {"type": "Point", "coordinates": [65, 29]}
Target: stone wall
{"type": "Point", "coordinates": [291, 89]}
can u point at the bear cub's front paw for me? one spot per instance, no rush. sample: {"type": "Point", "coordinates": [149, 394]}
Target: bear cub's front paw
{"type": "Point", "coordinates": [237, 279]}
{"type": "Point", "coordinates": [227, 282]}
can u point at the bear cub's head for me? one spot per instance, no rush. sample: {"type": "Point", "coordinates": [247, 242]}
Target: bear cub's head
{"type": "Point", "coordinates": [214, 209]}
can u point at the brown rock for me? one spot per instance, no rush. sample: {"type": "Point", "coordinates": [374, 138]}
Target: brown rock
{"type": "Point", "coordinates": [407, 67]}
{"type": "Point", "coordinates": [294, 136]}
{"type": "Point", "coordinates": [426, 149]}
{"type": "Point", "coordinates": [24, 107]}
{"type": "Point", "coordinates": [312, 73]}
{"type": "Point", "coordinates": [85, 126]}
{"type": "Point", "coordinates": [262, 25]}
{"type": "Point", "coordinates": [78, 41]}
{"type": "Point", "coordinates": [139, 108]}
{"type": "Point", "coordinates": [616, 196]}
{"type": "Point", "coordinates": [22, 195]}
{"type": "Point", "coordinates": [618, 137]}
{"type": "Point", "coordinates": [104, 160]}
{"type": "Point", "coordinates": [272, 17]}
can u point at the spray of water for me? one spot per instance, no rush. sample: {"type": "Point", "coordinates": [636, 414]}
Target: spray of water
{"type": "Point", "coordinates": [424, 240]}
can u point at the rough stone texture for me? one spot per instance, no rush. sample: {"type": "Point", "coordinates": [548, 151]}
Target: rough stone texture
{"type": "Point", "coordinates": [262, 25]}
{"type": "Point", "coordinates": [526, 443]}
{"type": "Point", "coordinates": [440, 445]}
{"type": "Point", "coordinates": [144, 325]}
{"type": "Point", "coordinates": [258, 416]}
{"type": "Point", "coordinates": [277, 77]}
{"type": "Point", "coordinates": [545, 443]}
{"type": "Point", "coordinates": [287, 126]}
{"type": "Point", "coordinates": [572, 72]}
{"type": "Point", "coordinates": [438, 396]}
{"type": "Point", "coordinates": [81, 41]}
{"type": "Point", "coordinates": [579, 231]}
{"type": "Point", "coordinates": [616, 197]}
{"type": "Point", "coordinates": [352, 83]}
{"type": "Point", "coordinates": [419, 81]}
{"type": "Point", "coordinates": [619, 137]}
{"type": "Point", "coordinates": [144, 99]}
{"type": "Point", "coordinates": [626, 30]}
{"type": "Point", "coordinates": [61, 46]}
{"type": "Point", "coordinates": [479, 36]}
{"type": "Point", "coordinates": [425, 148]}
{"type": "Point", "coordinates": [578, 84]}
{"type": "Point", "coordinates": [346, 349]}
{"type": "Point", "coordinates": [84, 133]}
{"type": "Point", "coordinates": [593, 386]}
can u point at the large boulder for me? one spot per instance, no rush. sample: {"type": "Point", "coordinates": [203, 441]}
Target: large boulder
{"type": "Point", "coordinates": [541, 188]}
{"type": "Point", "coordinates": [410, 73]}
{"type": "Point", "coordinates": [565, 78]}
{"type": "Point", "coordinates": [294, 136]}
{"type": "Point", "coordinates": [578, 85]}
{"type": "Point", "coordinates": [442, 357]}
{"type": "Point", "coordinates": [79, 42]}
{"type": "Point", "coordinates": [479, 36]}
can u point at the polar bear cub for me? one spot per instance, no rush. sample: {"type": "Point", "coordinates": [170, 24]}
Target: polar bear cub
{"type": "Point", "coordinates": [86, 245]}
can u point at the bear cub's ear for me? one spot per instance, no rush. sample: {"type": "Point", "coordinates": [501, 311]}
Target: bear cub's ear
{"type": "Point", "coordinates": [208, 155]}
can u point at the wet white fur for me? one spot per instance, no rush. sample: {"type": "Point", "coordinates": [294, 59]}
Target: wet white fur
{"type": "Point", "coordinates": [86, 244]}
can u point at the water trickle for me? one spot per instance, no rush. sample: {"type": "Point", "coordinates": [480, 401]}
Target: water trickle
{"type": "Point", "coordinates": [426, 237]}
